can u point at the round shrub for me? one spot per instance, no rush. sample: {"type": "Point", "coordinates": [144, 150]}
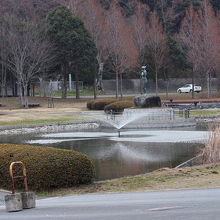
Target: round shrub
{"type": "Point", "coordinates": [118, 106]}
{"type": "Point", "coordinates": [99, 104]}
{"type": "Point", "coordinates": [47, 167]}
{"type": "Point", "coordinates": [89, 105]}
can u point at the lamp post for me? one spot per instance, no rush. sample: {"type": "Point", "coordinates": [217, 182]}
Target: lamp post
{"type": "Point", "coordinates": [144, 80]}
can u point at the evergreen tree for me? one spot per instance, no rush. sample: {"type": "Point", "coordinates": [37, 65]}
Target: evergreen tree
{"type": "Point", "coordinates": [216, 4]}
{"type": "Point", "coordinates": [74, 46]}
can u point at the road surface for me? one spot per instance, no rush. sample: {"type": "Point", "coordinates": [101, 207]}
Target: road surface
{"type": "Point", "coordinates": [201, 204]}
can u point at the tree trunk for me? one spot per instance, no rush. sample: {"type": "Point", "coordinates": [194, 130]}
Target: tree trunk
{"type": "Point", "coordinates": [15, 88]}
{"type": "Point", "coordinates": [3, 82]}
{"type": "Point", "coordinates": [64, 86]}
{"type": "Point", "coordinates": [141, 86]}
{"type": "Point", "coordinates": [33, 90]}
{"type": "Point", "coordinates": [167, 91]}
{"type": "Point", "coordinates": [156, 81]}
{"type": "Point", "coordinates": [167, 84]}
{"type": "Point", "coordinates": [25, 96]}
{"type": "Point", "coordinates": [121, 84]}
{"type": "Point", "coordinates": [193, 95]}
{"type": "Point", "coordinates": [21, 94]}
{"type": "Point", "coordinates": [94, 88]}
{"type": "Point", "coordinates": [116, 81]}
{"type": "Point", "coordinates": [77, 84]}
{"type": "Point", "coordinates": [208, 85]}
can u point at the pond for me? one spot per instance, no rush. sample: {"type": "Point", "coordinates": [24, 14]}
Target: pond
{"type": "Point", "coordinates": [135, 152]}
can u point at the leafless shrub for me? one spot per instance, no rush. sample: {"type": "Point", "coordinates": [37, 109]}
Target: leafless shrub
{"type": "Point", "coordinates": [211, 152]}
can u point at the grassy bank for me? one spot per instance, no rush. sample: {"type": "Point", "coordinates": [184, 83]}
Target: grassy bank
{"type": "Point", "coordinates": [204, 112]}
{"type": "Point", "coordinates": [42, 121]}
{"type": "Point", "coordinates": [164, 179]}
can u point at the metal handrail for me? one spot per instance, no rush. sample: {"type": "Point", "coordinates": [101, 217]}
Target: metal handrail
{"type": "Point", "coordinates": [24, 176]}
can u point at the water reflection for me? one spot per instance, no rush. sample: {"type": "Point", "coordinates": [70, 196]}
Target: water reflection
{"type": "Point", "coordinates": [135, 153]}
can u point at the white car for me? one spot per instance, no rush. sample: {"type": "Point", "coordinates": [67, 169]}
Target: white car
{"type": "Point", "coordinates": [188, 88]}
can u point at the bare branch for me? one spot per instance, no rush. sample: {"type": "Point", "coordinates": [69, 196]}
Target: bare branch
{"type": "Point", "coordinates": [29, 50]}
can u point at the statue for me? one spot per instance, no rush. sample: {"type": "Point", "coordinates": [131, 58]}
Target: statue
{"type": "Point", "coordinates": [99, 85]}
{"type": "Point", "coordinates": [144, 80]}
{"type": "Point", "coordinates": [144, 100]}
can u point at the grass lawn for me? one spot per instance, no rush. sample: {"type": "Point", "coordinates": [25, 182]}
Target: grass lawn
{"type": "Point", "coordinates": [26, 122]}
{"type": "Point", "coordinates": [204, 112]}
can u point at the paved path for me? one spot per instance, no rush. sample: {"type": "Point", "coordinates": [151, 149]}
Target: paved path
{"type": "Point", "coordinates": [2, 198]}
{"type": "Point", "coordinates": [202, 204]}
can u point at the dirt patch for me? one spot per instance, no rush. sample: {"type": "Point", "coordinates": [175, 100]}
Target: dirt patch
{"type": "Point", "coordinates": [63, 109]}
{"type": "Point", "coordinates": [14, 102]}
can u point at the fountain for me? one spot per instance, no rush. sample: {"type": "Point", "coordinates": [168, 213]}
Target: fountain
{"type": "Point", "coordinates": [148, 113]}
{"type": "Point", "coordinates": [136, 151]}
{"type": "Point", "coordinates": [138, 118]}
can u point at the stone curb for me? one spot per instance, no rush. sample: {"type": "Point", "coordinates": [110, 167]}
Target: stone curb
{"type": "Point", "coordinates": [49, 127]}
{"type": "Point", "coordinates": [8, 127]}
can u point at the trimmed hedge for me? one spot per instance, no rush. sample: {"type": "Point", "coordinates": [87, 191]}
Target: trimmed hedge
{"type": "Point", "coordinates": [89, 105]}
{"type": "Point", "coordinates": [99, 104]}
{"type": "Point", "coordinates": [118, 106]}
{"type": "Point", "coordinates": [47, 167]}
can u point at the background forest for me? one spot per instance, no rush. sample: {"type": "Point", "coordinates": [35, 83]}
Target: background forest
{"type": "Point", "coordinates": [173, 38]}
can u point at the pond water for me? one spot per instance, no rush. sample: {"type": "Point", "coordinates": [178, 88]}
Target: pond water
{"type": "Point", "coordinates": [135, 152]}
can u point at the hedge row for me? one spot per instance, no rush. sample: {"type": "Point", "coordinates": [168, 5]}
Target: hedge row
{"type": "Point", "coordinates": [99, 104]}
{"type": "Point", "coordinates": [47, 167]}
{"type": "Point", "coordinates": [117, 107]}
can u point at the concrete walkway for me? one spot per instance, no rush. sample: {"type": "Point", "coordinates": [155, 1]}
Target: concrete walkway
{"type": "Point", "coordinates": [2, 197]}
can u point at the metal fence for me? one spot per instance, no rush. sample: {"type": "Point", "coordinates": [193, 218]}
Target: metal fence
{"type": "Point", "coordinates": [51, 88]}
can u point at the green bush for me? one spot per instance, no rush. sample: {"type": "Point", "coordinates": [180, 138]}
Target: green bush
{"type": "Point", "coordinates": [99, 104]}
{"type": "Point", "coordinates": [118, 106]}
{"type": "Point", "coordinates": [47, 167]}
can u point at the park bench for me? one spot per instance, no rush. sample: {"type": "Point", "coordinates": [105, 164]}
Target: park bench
{"type": "Point", "coordinates": [33, 105]}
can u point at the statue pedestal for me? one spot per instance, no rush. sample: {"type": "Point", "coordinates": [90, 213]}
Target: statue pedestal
{"type": "Point", "coordinates": [145, 101]}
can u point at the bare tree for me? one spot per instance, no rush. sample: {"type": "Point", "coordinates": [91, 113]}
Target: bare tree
{"type": "Point", "coordinates": [209, 53]}
{"type": "Point", "coordinates": [29, 52]}
{"type": "Point", "coordinates": [140, 29]}
{"type": "Point", "coordinates": [156, 46]}
{"type": "Point", "coordinates": [116, 47]}
{"type": "Point", "coordinates": [190, 38]}
{"type": "Point", "coordinates": [74, 6]}
{"type": "Point", "coordinates": [3, 58]}
{"type": "Point", "coordinates": [167, 12]}
{"type": "Point", "coordinates": [200, 46]}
